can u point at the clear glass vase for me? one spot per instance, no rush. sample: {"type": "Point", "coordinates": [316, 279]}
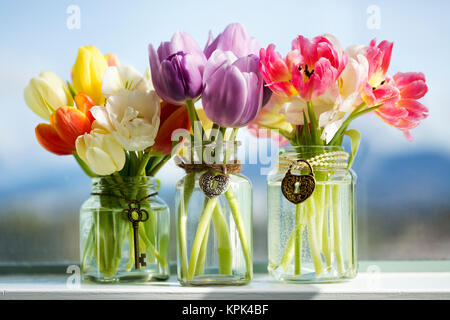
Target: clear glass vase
{"type": "Point", "coordinates": [313, 241]}
{"type": "Point", "coordinates": [107, 235]}
{"type": "Point", "coordinates": [214, 234]}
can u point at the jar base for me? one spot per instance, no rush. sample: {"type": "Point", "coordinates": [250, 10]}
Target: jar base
{"type": "Point", "coordinates": [215, 280]}
{"type": "Point", "coordinates": [310, 278]}
{"type": "Point", "coordinates": [136, 277]}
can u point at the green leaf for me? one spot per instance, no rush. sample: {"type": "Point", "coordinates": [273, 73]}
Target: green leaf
{"type": "Point", "coordinates": [71, 90]}
{"type": "Point", "coordinates": [355, 139]}
{"type": "Point", "coordinates": [306, 132]}
{"type": "Point", "coordinates": [315, 132]}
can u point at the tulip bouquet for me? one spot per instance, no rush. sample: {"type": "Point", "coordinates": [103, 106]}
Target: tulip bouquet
{"type": "Point", "coordinates": [319, 89]}
{"type": "Point", "coordinates": [225, 77]}
{"type": "Point", "coordinates": [119, 131]}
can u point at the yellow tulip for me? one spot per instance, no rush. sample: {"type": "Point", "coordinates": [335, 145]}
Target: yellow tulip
{"type": "Point", "coordinates": [206, 123]}
{"type": "Point", "coordinates": [270, 116]}
{"type": "Point", "coordinates": [101, 152]}
{"type": "Point", "coordinates": [46, 93]}
{"type": "Point", "coordinates": [87, 73]}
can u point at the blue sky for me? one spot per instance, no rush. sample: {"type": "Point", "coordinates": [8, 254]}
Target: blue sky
{"type": "Point", "coordinates": [35, 38]}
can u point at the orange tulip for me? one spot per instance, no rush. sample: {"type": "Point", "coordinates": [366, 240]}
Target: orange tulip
{"type": "Point", "coordinates": [111, 59]}
{"type": "Point", "coordinates": [84, 104]}
{"type": "Point", "coordinates": [172, 117]}
{"type": "Point", "coordinates": [66, 124]}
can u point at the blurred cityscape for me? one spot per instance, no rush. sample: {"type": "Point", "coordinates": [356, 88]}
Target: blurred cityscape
{"type": "Point", "coordinates": [403, 210]}
{"type": "Point", "coordinates": [403, 198]}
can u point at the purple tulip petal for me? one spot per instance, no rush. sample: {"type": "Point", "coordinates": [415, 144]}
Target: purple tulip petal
{"type": "Point", "coordinates": [172, 82]}
{"type": "Point", "coordinates": [225, 95]}
{"type": "Point", "coordinates": [254, 100]}
{"type": "Point", "coordinates": [177, 68]}
{"type": "Point", "coordinates": [217, 59]}
{"type": "Point", "coordinates": [181, 41]}
{"type": "Point", "coordinates": [234, 38]}
{"type": "Point", "coordinates": [192, 73]}
{"type": "Point", "coordinates": [164, 51]}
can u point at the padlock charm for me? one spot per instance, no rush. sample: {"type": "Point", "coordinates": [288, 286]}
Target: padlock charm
{"type": "Point", "coordinates": [298, 188]}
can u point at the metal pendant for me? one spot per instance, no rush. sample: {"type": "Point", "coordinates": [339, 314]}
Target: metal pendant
{"type": "Point", "coordinates": [297, 188]}
{"type": "Point", "coordinates": [214, 185]}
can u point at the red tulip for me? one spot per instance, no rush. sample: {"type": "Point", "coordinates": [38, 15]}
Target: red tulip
{"type": "Point", "coordinates": [66, 124]}
{"type": "Point", "coordinates": [172, 117]}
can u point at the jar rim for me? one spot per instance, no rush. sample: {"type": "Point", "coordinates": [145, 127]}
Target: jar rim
{"type": "Point", "coordinates": [319, 157]}
{"type": "Point", "coordinates": [124, 183]}
{"type": "Point", "coordinates": [311, 148]}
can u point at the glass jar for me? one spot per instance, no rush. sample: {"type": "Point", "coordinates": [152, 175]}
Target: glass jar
{"type": "Point", "coordinates": [107, 235]}
{"type": "Point", "coordinates": [214, 234]}
{"type": "Point", "coordinates": [313, 241]}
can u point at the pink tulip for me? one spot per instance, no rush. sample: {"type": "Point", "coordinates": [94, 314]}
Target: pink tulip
{"type": "Point", "coordinates": [379, 58]}
{"type": "Point", "coordinates": [309, 69]}
{"type": "Point", "coordinates": [377, 90]}
{"type": "Point", "coordinates": [275, 71]}
{"type": "Point", "coordinates": [407, 112]}
{"type": "Point", "coordinates": [317, 64]}
{"type": "Point", "coordinates": [386, 94]}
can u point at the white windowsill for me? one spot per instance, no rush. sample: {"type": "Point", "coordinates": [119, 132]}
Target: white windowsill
{"type": "Point", "coordinates": [407, 285]}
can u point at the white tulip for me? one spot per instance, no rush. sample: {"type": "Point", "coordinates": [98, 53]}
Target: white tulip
{"type": "Point", "coordinates": [132, 117]}
{"type": "Point", "coordinates": [354, 76]}
{"type": "Point", "coordinates": [46, 93]}
{"type": "Point", "coordinates": [294, 108]}
{"type": "Point", "coordinates": [101, 152]}
{"type": "Point", "coordinates": [117, 78]}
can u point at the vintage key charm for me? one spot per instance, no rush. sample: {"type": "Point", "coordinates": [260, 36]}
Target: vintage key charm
{"type": "Point", "coordinates": [297, 188]}
{"type": "Point", "coordinates": [135, 214]}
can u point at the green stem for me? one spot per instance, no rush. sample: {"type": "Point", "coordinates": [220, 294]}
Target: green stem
{"type": "Point", "coordinates": [234, 206]}
{"type": "Point", "coordinates": [312, 237]}
{"type": "Point", "coordinates": [199, 269]}
{"type": "Point", "coordinates": [319, 199]}
{"type": "Point", "coordinates": [155, 169]}
{"type": "Point", "coordinates": [337, 229]}
{"type": "Point", "coordinates": [314, 125]}
{"type": "Point", "coordinates": [298, 240]}
{"type": "Point", "coordinates": [355, 114]}
{"type": "Point", "coordinates": [199, 236]}
{"type": "Point", "coordinates": [223, 241]}
{"type": "Point", "coordinates": [88, 247]}
{"type": "Point", "coordinates": [143, 164]}
{"type": "Point", "coordinates": [84, 166]}
{"type": "Point", "coordinates": [188, 188]}
{"type": "Point", "coordinates": [326, 242]}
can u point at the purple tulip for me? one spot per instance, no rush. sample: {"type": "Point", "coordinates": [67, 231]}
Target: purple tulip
{"type": "Point", "coordinates": [177, 68]}
{"type": "Point", "coordinates": [234, 38]}
{"type": "Point", "coordinates": [233, 92]}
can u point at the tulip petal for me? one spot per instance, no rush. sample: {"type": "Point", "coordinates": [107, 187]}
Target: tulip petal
{"type": "Point", "coordinates": [225, 95]}
{"type": "Point", "coordinates": [84, 104]}
{"type": "Point", "coordinates": [172, 117]}
{"type": "Point", "coordinates": [70, 123]}
{"type": "Point", "coordinates": [49, 139]}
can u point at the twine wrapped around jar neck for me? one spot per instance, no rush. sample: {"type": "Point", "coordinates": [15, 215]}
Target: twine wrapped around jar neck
{"type": "Point", "coordinates": [225, 168]}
